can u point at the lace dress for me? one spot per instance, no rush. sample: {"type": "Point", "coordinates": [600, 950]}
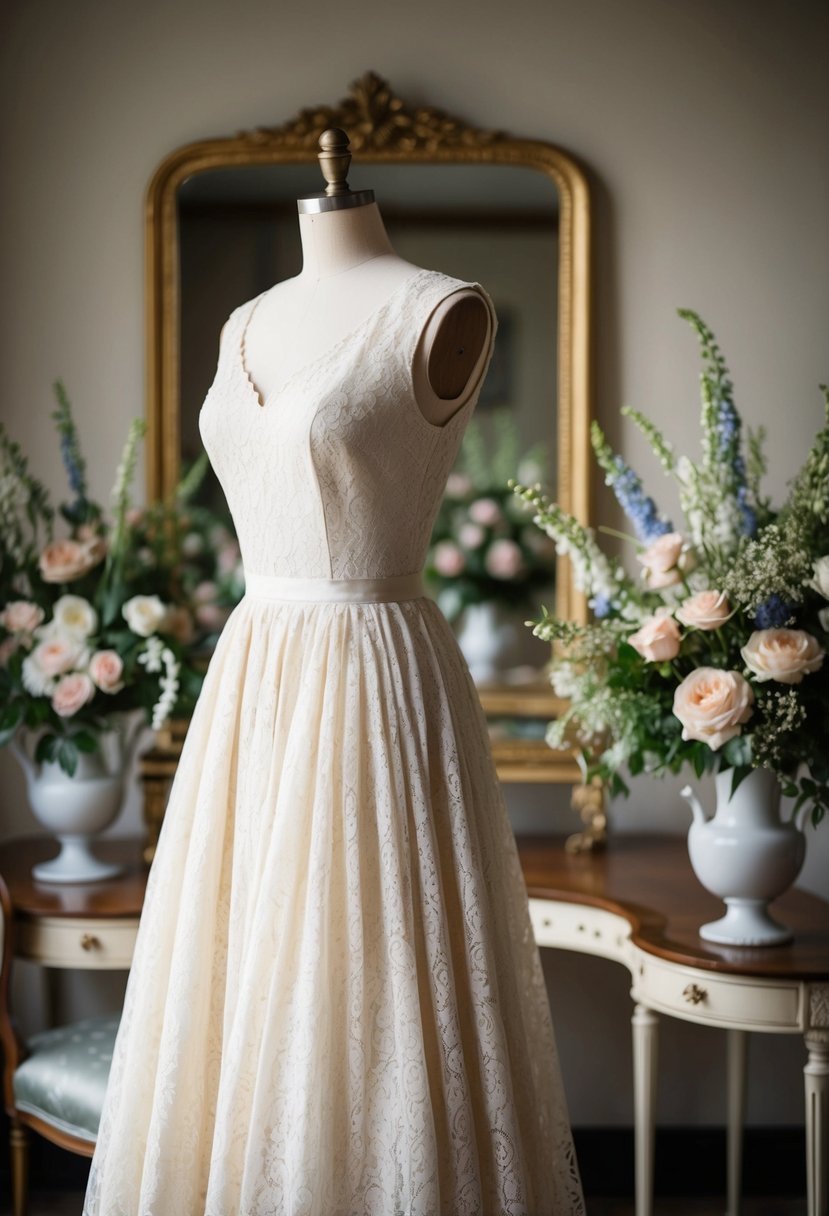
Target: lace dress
{"type": "Point", "coordinates": [336, 1005]}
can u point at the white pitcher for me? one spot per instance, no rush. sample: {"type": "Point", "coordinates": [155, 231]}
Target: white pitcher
{"type": "Point", "coordinates": [747, 855]}
{"type": "Point", "coordinates": [77, 807]}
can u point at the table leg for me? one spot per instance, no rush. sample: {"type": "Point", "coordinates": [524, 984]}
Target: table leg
{"type": "Point", "coordinates": [816, 1075]}
{"type": "Point", "coordinates": [737, 1050]}
{"type": "Point", "coordinates": [645, 1041]}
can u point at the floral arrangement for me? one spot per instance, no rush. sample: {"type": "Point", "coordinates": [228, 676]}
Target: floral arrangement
{"type": "Point", "coordinates": [113, 617]}
{"type": "Point", "coordinates": [715, 654]}
{"type": "Point", "coordinates": [483, 547]}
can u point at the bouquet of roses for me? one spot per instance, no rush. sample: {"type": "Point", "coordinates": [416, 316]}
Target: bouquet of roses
{"type": "Point", "coordinates": [715, 654]}
{"type": "Point", "coordinates": [110, 618]}
{"type": "Point", "coordinates": [483, 548]}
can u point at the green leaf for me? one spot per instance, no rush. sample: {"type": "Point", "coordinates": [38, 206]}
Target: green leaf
{"type": "Point", "coordinates": [45, 749]}
{"type": "Point", "coordinates": [67, 756]}
{"type": "Point", "coordinates": [85, 741]}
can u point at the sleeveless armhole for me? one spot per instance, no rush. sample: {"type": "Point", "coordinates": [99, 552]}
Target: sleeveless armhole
{"type": "Point", "coordinates": [478, 373]}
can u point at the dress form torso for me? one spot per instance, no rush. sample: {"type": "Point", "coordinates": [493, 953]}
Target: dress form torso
{"type": "Point", "coordinates": [349, 270]}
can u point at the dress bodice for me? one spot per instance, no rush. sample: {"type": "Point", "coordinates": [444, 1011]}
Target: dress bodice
{"type": "Point", "coordinates": [339, 474]}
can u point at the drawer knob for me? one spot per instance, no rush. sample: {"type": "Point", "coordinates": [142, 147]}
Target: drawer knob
{"type": "Point", "coordinates": [89, 941]}
{"type": "Point", "coordinates": [694, 994]}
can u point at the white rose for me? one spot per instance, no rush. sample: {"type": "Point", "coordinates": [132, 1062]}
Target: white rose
{"type": "Point", "coordinates": [35, 680]}
{"type": "Point", "coordinates": [144, 614]}
{"type": "Point", "coordinates": [820, 582]}
{"type": "Point", "coordinates": [705, 610]}
{"type": "Point", "coordinates": [75, 616]}
{"type": "Point", "coordinates": [712, 705]}
{"type": "Point", "coordinates": [784, 655]}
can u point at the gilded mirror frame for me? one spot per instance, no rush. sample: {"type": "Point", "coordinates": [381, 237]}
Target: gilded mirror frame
{"type": "Point", "coordinates": [385, 130]}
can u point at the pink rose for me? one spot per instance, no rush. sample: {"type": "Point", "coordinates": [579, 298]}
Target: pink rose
{"type": "Point", "coordinates": [8, 647]}
{"type": "Point", "coordinates": [211, 616]}
{"type": "Point", "coordinates": [64, 560]}
{"type": "Point", "coordinates": [21, 616]}
{"type": "Point", "coordinates": [785, 655]}
{"type": "Point", "coordinates": [471, 536]}
{"type": "Point", "coordinates": [657, 640]}
{"type": "Point", "coordinates": [705, 610]}
{"type": "Point", "coordinates": [106, 668]}
{"type": "Point", "coordinates": [72, 693]}
{"type": "Point", "coordinates": [56, 655]}
{"type": "Point", "coordinates": [228, 557]}
{"type": "Point", "coordinates": [448, 559]}
{"type": "Point", "coordinates": [485, 511]}
{"type": "Point", "coordinates": [504, 559]}
{"type": "Point", "coordinates": [663, 561]}
{"type": "Point", "coordinates": [712, 705]}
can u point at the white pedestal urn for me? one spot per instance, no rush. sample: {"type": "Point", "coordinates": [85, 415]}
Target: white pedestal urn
{"type": "Point", "coordinates": [747, 855]}
{"type": "Point", "coordinates": [78, 807]}
{"type": "Point", "coordinates": [489, 634]}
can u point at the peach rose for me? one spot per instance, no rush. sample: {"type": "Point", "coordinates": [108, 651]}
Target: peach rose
{"type": "Point", "coordinates": [664, 560]}
{"type": "Point", "coordinates": [64, 560]}
{"type": "Point", "coordinates": [56, 655]}
{"type": "Point", "coordinates": [784, 655]}
{"type": "Point", "coordinates": [72, 693]}
{"type": "Point", "coordinates": [21, 616]}
{"type": "Point", "coordinates": [705, 610]}
{"type": "Point", "coordinates": [105, 669]}
{"type": "Point", "coordinates": [657, 640]}
{"type": "Point", "coordinates": [712, 705]}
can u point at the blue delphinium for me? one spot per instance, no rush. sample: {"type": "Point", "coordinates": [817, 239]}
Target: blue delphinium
{"type": "Point", "coordinates": [641, 510]}
{"type": "Point", "coordinates": [773, 613]}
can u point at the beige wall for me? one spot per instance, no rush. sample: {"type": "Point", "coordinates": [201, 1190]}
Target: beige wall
{"type": "Point", "coordinates": [704, 127]}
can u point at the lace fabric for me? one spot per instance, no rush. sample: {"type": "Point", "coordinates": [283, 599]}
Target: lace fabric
{"type": "Point", "coordinates": [336, 1004]}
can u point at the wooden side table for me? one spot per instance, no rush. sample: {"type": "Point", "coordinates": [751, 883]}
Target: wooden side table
{"type": "Point", "coordinates": [640, 904]}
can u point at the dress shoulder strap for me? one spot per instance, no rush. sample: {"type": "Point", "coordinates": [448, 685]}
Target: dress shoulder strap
{"type": "Point", "coordinates": [427, 293]}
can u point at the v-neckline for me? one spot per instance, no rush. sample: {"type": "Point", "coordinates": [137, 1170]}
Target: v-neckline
{"type": "Point", "coordinates": [318, 359]}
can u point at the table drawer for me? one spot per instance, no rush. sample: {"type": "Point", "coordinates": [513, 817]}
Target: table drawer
{"type": "Point", "coordinates": [58, 942]}
{"type": "Point", "coordinates": [700, 996]}
{"type": "Point", "coordinates": [579, 927]}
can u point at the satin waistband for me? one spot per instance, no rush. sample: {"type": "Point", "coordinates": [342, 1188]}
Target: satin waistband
{"type": "Point", "coordinates": [353, 590]}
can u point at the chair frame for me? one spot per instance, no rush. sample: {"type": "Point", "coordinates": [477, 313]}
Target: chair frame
{"type": "Point", "coordinates": [15, 1052]}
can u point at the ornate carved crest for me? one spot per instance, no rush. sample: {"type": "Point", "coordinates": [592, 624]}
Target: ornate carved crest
{"type": "Point", "coordinates": [375, 119]}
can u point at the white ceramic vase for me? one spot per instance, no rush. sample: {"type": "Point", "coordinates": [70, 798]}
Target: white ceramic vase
{"type": "Point", "coordinates": [78, 807]}
{"type": "Point", "coordinates": [747, 855]}
{"type": "Point", "coordinates": [489, 635]}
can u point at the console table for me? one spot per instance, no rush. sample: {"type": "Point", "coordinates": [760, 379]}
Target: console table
{"type": "Point", "coordinates": [638, 904]}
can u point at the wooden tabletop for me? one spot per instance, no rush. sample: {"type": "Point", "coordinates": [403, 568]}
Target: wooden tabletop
{"type": "Point", "coordinates": [119, 896]}
{"type": "Point", "coordinates": [646, 879]}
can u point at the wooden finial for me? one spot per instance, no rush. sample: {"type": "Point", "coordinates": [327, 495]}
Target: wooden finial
{"type": "Point", "coordinates": [335, 159]}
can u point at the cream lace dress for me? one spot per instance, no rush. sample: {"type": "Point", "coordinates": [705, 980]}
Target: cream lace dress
{"type": "Point", "coordinates": [336, 1005]}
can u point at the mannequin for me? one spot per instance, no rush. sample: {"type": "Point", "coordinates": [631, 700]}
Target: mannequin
{"type": "Point", "coordinates": [349, 270]}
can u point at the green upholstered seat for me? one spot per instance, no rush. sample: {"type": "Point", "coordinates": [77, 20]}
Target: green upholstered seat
{"type": "Point", "coordinates": [64, 1079]}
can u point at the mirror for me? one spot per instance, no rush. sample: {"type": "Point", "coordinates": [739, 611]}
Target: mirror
{"type": "Point", "coordinates": [479, 205]}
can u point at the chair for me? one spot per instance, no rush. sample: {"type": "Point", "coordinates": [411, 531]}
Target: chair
{"type": "Point", "coordinates": [53, 1083]}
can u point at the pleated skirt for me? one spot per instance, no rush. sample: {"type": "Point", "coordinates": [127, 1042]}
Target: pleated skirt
{"type": "Point", "coordinates": [335, 1005]}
